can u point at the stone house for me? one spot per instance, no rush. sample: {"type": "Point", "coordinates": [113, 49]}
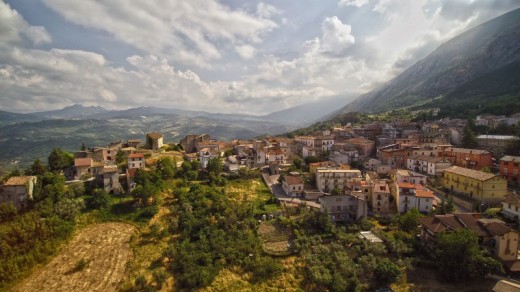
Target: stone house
{"type": "Point", "coordinates": [136, 160]}
{"type": "Point", "coordinates": [17, 190]}
{"type": "Point", "coordinates": [154, 141]}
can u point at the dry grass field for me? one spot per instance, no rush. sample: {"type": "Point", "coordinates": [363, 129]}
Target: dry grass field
{"type": "Point", "coordinates": [94, 260]}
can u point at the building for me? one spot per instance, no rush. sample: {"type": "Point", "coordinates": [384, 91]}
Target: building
{"type": "Point", "coordinates": [341, 179]}
{"type": "Point", "coordinates": [110, 180]}
{"type": "Point", "coordinates": [475, 184]}
{"type": "Point", "coordinates": [469, 158]}
{"type": "Point", "coordinates": [492, 233]}
{"type": "Point", "coordinates": [154, 141]}
{"type": "Point", "coordinates": [395, 158]}
{"type": "Point", "coordinates": [135, 160]}
{"type": "Point", "coordinates": [343, 208]}
{"type": "Point", "coordinates": [495, 143]}
{"type": "Point", "coordinates": [188, 142]}
{"type": "Point", "coordinates": [324, 165]}
{"type": "Point", "coordinates": [409, 196]}
{"type": "Point", "coordinates": [17, 190]}
{"type": "Point", "coordinates": [429, 165]}
{"type": "Point", "coordinates": [205, 155]}
{"type": "Point", "coordinates": [135, 143]}
{"type": "Point", "coordinates": [292, 184]}
{"type": "Point", "coordinates": [407, 176]}
{"type": "Point", "coordinates": [82, 167]}
{"type": "Point", "coordinates": [511, 206]}
{"type": "Point", "coordinates": [380, 198]}
{"type": "Point", "coordinates": [364, 146]}
{"type": "Point", "coordinates": [510, 168]}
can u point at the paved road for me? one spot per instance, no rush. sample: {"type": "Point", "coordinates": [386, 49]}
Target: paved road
{"type": "Point", "coordinates": [273, 184]}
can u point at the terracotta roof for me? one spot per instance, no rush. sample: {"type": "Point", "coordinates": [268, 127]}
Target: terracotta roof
{"type": "Point", "coordinates": [510, 158]}
{"type": "Point", "coordinates": [406, 185]}
{"type": "Point", "coordinates": [293, 180]}
{"type": "Point", "coordinates": [422, 193]}
{"type": "Point", "coordinates": [83, 162]}
{"type": "Point", "coordinates": [275, 152]}
{"type": "Point", "coordinates": [136, 155]}
{"type": "Point", "coordinates": [18, 180]}
{"type": "Point", "coordinates": [475, 174]}
{"type": "Point", "coordinates": [154, 136]}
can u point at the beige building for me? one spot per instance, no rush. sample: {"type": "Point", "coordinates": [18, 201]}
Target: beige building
{"type": "Point", "coordinates": [17, 190]}
{"type": "Point", "coordinates": [380, 198]}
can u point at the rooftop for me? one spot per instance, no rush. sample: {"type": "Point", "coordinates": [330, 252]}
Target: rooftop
{"type": "Point", "coordinates": [293, 180]}
{"type": "Point", "coordinates": [509, 158]}
{"type": "Point", "coordinates": [475, 174]}
{"type": "Point", "coordinates": [498, 137]}
{"type": "Point", "coordinates": [470, 151]}
{"type": "Point", "coordinates": [18, 180]}
{"type": "Point", "coordinates": [154, 136]}
{"type": "Point", "coordinates": [136, 155]}
{"type": "Point", "coordinates": [83, 162]}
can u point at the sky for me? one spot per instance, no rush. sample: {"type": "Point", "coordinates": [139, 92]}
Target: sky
{"type": "Point", "coordinates": [228, 56]}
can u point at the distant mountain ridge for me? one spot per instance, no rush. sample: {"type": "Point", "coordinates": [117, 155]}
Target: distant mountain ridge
{"type": "Point", "coordinates": [474, 53]}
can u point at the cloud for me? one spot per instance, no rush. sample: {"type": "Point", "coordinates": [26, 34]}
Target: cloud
{"type": "Point", "coordinates": [246, 51]}
{"type": "Point", "coordinates": [191, 32]}
{"type": "Point", "coordinates": [336, 35]}
{"type": "Point", "coordinates": [15, 30]}
{"type": "Point", "coordinates": [356, 3]}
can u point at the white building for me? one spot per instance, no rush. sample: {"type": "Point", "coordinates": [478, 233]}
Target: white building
{"type": "Point", "coordinates": [205, 155]}
{"type": "Point", "coordinates": [411, 196]}
{"type": "Point", "coordinates": [429, 165]}
{"type": "Point", "coordinates": [511, 206]}
{"type": "Point", "coordinates": [293, 185]}
{"type": "Point", "coordinates": [135, 160]}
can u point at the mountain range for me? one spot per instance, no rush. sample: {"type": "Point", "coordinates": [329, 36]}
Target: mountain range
{"type": "Point", "coordinates": [25, 137]}
{"type": "Point", "coordinates": [477, 67]}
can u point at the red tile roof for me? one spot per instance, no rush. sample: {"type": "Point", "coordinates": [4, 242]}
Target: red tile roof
{"type": "Point", "coordinates": [293, 180]}
{"type": "Point", "coordinates": [136, 155]}
{"type": "Point", "coordinates": [424, 193]}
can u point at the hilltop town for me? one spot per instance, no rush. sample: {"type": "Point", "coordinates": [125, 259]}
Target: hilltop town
{"type": "Point", "coordinates": [352, 174]}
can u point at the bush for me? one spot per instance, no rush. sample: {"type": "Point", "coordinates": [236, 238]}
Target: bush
{"type": "Point", "coordinates": [387, 272]}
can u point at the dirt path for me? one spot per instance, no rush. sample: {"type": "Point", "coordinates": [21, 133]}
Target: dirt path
{"type": "Point", "coordinates": [104, 246]}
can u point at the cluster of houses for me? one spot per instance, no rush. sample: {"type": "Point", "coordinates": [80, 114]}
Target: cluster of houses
{"type": "Point", "coordinates": [398, 160]}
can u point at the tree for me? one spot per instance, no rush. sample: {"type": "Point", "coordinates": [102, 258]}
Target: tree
{"type": "Point", "coordinates": [83, 147]}
{"type": "Point", "coordinates": [36, 168]}
{"type": "Point", "coordinates": [121, 157]}
{"type": "Point", "coordinates": [409, 221]}
{"type": "Point", "coordinates": [311, 159]}
{"type": "Point", "coordinates": [297, 162]}
{"type": "Point", "coordinates": [7, 212]}
{"type": "Point", "coordinates": [59, 160]}
{"type": "Point", "coordinates": [215, 166]}
{"type": "Point", "coordinates": [100, 199]}
{"type": "Point", "coordinates": [459, 257]}
{"type": "Point", "coordinates": [469, 139]}
{"type": "Point", "coordinates": [166, 168]}
{"type": "Point", "coordinates": [335, 191]}
{"type": "Point", "coordinates": [486, 169]}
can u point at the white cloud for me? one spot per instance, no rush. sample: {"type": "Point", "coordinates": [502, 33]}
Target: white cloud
{"type": "Point", "coordinates": [13, 28]}
{"type": "Point", "coordinates": [356, 3]}
{"type": "Point", "coordinates": [186, 31]}
{"type": "Point", "coordinates": [336, 35]}
{"type": "Point", "coordinates": [265, 10]}
{"type": "Point", "coordinates": [246, 51]}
